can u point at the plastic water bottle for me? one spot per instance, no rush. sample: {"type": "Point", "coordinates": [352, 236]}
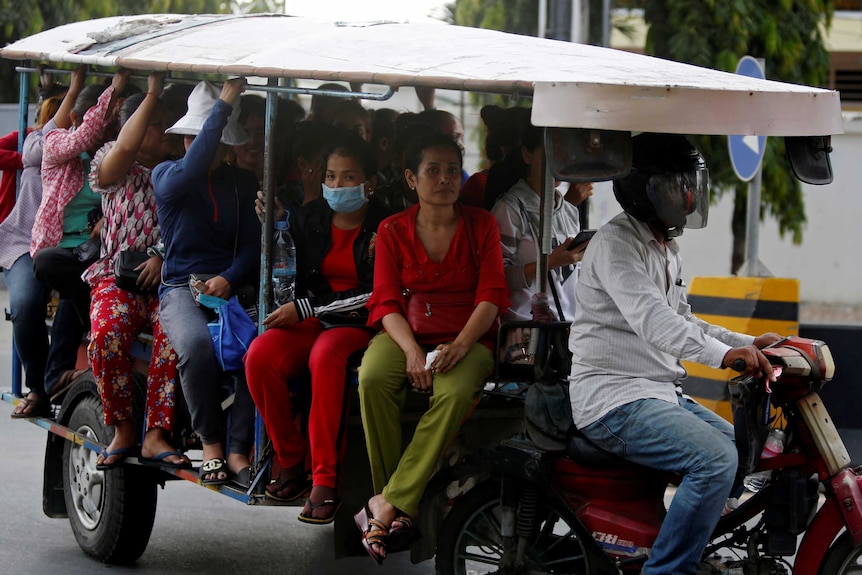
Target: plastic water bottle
{"type": "Point", "coordinates": [774, 446]}
{"type": "Point", "coordinates": [283, 265]}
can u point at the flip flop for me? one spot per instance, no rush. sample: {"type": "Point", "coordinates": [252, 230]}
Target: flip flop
{"type": "Point", "coordinates": [214, 466]}
{"type": "Point", "coordinates": [278, 490]}
{"type": "Point", "coordinates": [373, 533]}
{"type": "Point", "coordinates": [159, 460]}
{"type": "Point", "coordinates": [400, 538]}
{"type": "Point", "coordinates": [334, 503]}
{"type": "Point", "coordinates": [121, 453]}
{"type": "Point", "coordinates": [38, 407]}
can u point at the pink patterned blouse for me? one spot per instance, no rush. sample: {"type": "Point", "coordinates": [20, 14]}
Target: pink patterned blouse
{"type": "Point", "coordinates": [63, 171]}
{"type": "Point", "coordinates": [130, 216]}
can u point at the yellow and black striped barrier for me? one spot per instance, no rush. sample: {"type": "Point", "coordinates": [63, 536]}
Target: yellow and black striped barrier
{"type": "Point", "coordinates": [743, 304]}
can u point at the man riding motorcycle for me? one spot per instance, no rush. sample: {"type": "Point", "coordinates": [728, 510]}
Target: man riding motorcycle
{"type": "Point", "coordinates": [633, 325]}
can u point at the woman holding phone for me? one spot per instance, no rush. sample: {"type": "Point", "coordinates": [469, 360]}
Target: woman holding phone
{"type": "Point", "coordinates": [517, 213]}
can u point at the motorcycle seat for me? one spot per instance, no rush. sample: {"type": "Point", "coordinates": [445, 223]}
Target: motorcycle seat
{"type": "Point", "coordinates": [586, 453]}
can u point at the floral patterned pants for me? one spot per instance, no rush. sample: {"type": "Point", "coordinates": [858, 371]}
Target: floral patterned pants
{"type": "Point", "coordinates": [117, 317]}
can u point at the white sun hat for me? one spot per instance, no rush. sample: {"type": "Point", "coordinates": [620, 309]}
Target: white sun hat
{"type": "Point", "coordinates": [201, 102]}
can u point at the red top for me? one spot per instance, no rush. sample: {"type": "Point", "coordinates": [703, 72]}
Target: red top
{"type": "Point", "coordinates": [10, 163]}
{"type": "Point", "coordinates": [401, 262]}
{"type": "Point", "coordinates": [473, 190]}
{"type": "Point", "coordinates": [339, 265]}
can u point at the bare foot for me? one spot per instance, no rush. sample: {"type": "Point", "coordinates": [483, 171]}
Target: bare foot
{"type": "Point", "coordinates": [156, 442]}
{"type": "Point", "coordinates": [384, 512]}
{"type": "Point", "coordinates": [124, 439]}
{"type": "Point", "coordinates": [236, 462]}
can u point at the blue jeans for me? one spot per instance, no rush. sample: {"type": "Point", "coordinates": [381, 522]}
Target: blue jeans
{"type": "Point", "coordinates": [686, 439]}
{"type": "Point", "coordinates": [186, 327]}
{"type": "Point", "coordinates": [43, 363]}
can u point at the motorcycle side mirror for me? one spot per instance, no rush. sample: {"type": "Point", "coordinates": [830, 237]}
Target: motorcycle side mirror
{"type": "Point", "coordinates": [809, 158]}
{"type": "Point", "coordinates": [586, 155]}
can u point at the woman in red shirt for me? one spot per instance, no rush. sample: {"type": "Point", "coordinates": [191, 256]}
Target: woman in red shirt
{"type": "Point", "coordinates": [335, 237]}
{"type": "Point", "coordinates": [434, 247]}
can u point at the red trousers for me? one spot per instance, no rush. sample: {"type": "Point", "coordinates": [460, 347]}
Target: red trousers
{"type": "Point", "coordinates": [282, 354]}
{"type": "Point", "coordinates": [117, 317]}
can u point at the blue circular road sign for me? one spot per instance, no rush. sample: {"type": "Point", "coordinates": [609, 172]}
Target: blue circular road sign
{"type": "Point", "coordinates": [746, 152]}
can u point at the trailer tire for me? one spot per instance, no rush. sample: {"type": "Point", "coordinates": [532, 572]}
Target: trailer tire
{"type": "Point", "coordinates": [111, 512]}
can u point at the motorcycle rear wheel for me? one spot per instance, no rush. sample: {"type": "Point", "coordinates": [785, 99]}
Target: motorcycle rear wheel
{"type": "Point", "coordinates": [471, 542]}
{"type": "Point", "coordinates": [842, 558]}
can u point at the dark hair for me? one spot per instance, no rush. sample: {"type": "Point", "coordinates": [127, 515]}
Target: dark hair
{"type": "Point", "coordinates": [251, 105]}
{"type": "Point", "coordinates": [87, 99]}
{"type": "Point", "coordinates": [290, 111]}
{"type": "Point", "coordinates": [321, 105]}
{"type": "Point", "coordinates": [383, 124]}
{"type": "Point", "coordinates": [505, 129]}
{"type": "Point", "coordinates": [131, 104]}
{"type": "Point", "coordinates": [348, 143]}
{"type": "Point", "coordinates": [435, 117]}
{"type": "Point", "coordinates": [417, 148]}
{"type": "Point", "coordinates": [310, 138]}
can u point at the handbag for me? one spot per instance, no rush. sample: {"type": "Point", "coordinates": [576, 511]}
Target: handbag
{"type": "Point", "coordinates": [125, 274]}
{"type": "Point", "coordinates": [351, 318]}
{"type": "Point", "coordinates": [232, 332]}
{"type": "Point", "coordinates": [89, 251]}
{"type": "Point", "coordinates": [436, 317]}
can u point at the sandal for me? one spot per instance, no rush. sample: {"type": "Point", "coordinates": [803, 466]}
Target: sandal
{"type": "Point", "coordinates": [335, 504]}
{"type": "Point", "coordinates": [31, 407]}
{"type": "Point", "coordinates": [373, 533]}
{"type": "Point", "coordinates": [121, 453]}
{"type": "Point", "coordinates": [159, 460]}
{"type": "Point", "coordinates": [213, 467]}
{"type": "Point", "coordinates": [290, 489]}
{"type": "Point", "coordinates": [400, 538]}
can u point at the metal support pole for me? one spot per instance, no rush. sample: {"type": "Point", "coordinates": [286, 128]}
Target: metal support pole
{"type": "Point", "coordinates": [543, 18]}
{"type": "Point", "coordinates": [23, 112]}
{"type": "Point", "coordinates": [269, 168]}
{"type": "Point", "coordinates": [606, 23]}
{"type": "Point", "coordinates": [753, 267]}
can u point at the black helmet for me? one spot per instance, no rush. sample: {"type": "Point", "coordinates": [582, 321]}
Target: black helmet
{"type": "Point", "coordinates": [668, 186]}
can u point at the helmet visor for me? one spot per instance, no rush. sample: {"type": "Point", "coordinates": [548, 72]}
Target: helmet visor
{"type": "Point", "coordinates": [681, 200]}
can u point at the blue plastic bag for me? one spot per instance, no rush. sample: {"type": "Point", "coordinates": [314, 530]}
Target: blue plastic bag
{"type": "Point", "coordinates": [232, 333]}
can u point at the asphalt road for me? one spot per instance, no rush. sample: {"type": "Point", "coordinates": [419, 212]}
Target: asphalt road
{"type": "Point", "coordinates": [196, 531]}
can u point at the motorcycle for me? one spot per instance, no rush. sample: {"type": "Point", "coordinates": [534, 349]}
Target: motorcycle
{"type": "Point", "coordinates": [585, 511]}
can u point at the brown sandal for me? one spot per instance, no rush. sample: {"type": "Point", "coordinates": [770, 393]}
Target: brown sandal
{"type": "Point", "coordinates": [31, 407]}
{"type": "Point", "coordinates": [400, 538]}
{"type": "Point", "coordinates": [290, 489]}
{"type": "Point", "coordinates": [373, 533]}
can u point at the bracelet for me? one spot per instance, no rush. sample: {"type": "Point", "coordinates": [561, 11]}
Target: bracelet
{"type": "Point", "coordinates": [152, 94]}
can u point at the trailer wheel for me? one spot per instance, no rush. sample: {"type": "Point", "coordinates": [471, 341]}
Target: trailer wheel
{"type": "Point", "coordinates": [111, 512]}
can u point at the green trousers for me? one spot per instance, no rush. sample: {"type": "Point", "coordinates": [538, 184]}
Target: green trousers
{"type": "Point", "coordinates": [382, 390]}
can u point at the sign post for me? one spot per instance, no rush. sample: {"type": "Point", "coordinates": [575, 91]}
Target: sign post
{"type": "Point", "coordinates": [746, 155]}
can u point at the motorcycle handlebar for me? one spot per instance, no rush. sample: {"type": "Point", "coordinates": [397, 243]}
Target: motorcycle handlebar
{"type": "Point", "coordinates": [738, 365]}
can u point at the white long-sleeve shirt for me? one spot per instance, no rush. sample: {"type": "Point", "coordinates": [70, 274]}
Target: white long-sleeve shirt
{"type": "Point", "coordinates": [633, 323]}
{"type": "Point", "coordinates": [515, 210]}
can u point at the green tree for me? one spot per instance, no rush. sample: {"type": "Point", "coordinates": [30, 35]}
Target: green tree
{"type": "Point", "coordinates": [21, 18]}
{"type": "Point", "coordinates": [788, 35]}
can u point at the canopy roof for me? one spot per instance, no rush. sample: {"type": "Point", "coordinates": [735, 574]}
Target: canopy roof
{"type": "Point", "coordinates": [573, 85]}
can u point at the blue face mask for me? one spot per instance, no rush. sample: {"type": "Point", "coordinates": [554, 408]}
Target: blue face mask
{"type": "Point", "coordinates": [345, 200]}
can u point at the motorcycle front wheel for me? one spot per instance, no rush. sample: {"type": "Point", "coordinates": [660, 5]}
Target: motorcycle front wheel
{"type": "Point", "coordinates": [842, 558]}
{"type": "Point", "coordinates": [471, 541]}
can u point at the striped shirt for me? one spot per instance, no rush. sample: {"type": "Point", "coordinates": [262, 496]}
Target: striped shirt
{"type": "Point", "coordinates": [633, 323]}
{"type": "Point", "coordinates": [517, 212]}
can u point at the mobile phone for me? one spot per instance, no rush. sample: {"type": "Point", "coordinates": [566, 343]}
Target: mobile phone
{"type": "Point", "coordinates": [582, 237]}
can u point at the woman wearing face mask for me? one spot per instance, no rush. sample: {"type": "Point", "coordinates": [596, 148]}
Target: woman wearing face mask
{"type": "Point", "coordinates": [316, 333]}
